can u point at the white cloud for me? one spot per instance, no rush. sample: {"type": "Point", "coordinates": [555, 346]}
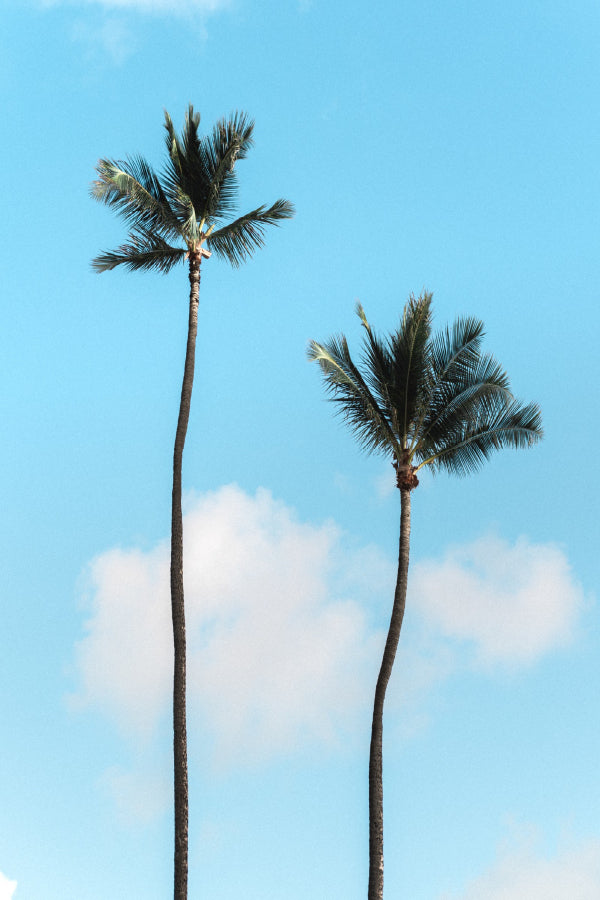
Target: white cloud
{"type": "Point", "coordinates": [523, 871]}
{"type": "Point", "coordinates": [7, 887]}
{"type": "Point", "coordinates": [125, 659]}
{"type": "Point", "coordinates": [169, 7]}
{"type": "Point", "coordinates": [513, 602]}
{"type": "Point", "coordinates": [278, 655]}
{"type": "Point", "coordinates": [281, 653]}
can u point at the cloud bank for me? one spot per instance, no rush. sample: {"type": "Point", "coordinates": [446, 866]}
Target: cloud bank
{"type": "Point", "coordinates": [523, 872]}
{"type": "Point", "coordinates": [283, 649]}
{"type": "Point", "coordinates": [280, 653]}
{"type": "Point", "coordinates": [512, 602]}
{"type": "Point", "coordinates": [7, 887]}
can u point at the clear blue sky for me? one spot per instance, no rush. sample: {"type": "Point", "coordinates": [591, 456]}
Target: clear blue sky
{"type": "Point", "coordinates": [449, 146]}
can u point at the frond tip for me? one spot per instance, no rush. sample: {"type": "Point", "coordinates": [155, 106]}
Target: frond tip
{"type": "Point", "coordinates": [426, 400]}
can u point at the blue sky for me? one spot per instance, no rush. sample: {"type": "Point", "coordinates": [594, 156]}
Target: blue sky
{"type": "Point", "coordinates": [448, 146]}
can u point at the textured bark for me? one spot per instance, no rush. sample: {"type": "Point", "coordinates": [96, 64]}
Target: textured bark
{"type": "Point", "coordinates": [376, 753]}
{"type": "Point", "coordinates": [177, 601]}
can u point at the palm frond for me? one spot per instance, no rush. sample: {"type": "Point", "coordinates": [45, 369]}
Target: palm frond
{"type": "Point", "coordinates": [191, 140]}
{"type": "Point", "coordinates": [141, 251]}
{"type": "Point", "coordinates": [378, 367]}
{"type": "Point", "coordinates": [133, 190]}
{"type": "Point", "coordinates": [512, 424]}
{"type": "Point", "coordinates": [186, 215]}
{"type": "Point", "coordinates": [196, 189]}
{"type": "Point", "coordinates": [454, 366]}
{"type": "Point", "coordinates": [229, 141]}
{"type": "Point", "coordinates": [438, 400]}
{"type": "Point", "coordinates": [456, 349]}
{"type": "Point", "coordinates": [185, 169]}
{"type": "Point", "coordinates": [235, 131]}
{"type": "Point", "coordinates": [478, 385]}
{"type": "Point", "coordinates": [173, 144]}
{"type": "Point", "coordinates": [353, 398]}
{"type": "Point", "coordinates": [239, 239]}
{"type": "Point", "coordinates": [409, 351]}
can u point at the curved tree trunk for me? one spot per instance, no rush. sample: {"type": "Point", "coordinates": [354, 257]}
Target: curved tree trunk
{"type": "Point", "coordinates": [177, 600]}
{"type": "Point", "coordinates": [376, 753]}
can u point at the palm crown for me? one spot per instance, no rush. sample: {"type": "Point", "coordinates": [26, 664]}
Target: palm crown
{"type": "Point", "coordinates": [426, 400]}
{"type": "Point", "coordinates": [189, 202]}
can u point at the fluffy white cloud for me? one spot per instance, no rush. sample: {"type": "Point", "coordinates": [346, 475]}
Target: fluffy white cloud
{"type": "Point", "coordinates": [514, 602]}
{"type": "Point", "coordinates": [280, 652]}
{"type": "Point", "coordinates": [523, 872]}
{"type": "Point", "coordinates": [7, 887]}
{"type": "Point", "coordinates": [278, 655]}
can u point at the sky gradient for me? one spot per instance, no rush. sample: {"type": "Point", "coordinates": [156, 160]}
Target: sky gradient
{"type": "Point", "coordinates": [449, 147]}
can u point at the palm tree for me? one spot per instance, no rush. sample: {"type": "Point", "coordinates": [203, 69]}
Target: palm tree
{"type": "Point", "coordinates": [422, 401]}
{"type": "Point", "coordinates": [190, 205]}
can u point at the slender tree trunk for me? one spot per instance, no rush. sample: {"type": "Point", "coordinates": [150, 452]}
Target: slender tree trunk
{"type": "Point", "coordinates": [177, 600]}
{"type": "Point", "coordinates": [376, 754]}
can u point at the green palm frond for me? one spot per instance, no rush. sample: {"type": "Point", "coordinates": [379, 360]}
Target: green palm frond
{"type": "Point", "coordinates": [195, 192]}
{"type": "Point", "coordinates": [191, 141]}
{"type": "Point", "coordinates": [353, 397]}
{"type": "Point", "coordinates": [186, 215]}
{"type": "Point", "coordinates": [378, 368]}
{"type": "Point", "coordinates": [409, 352]}
{"type": "Point", "coordinates": [512, 424]}
{"type": "Point", "coordinates": [239, 239]}
{"type": "Point", "coordinates": [439, 399]}
{"type": "Point", "coordinates": [229, 141]}
{"type": "Point", "coordinates": [237, 130]}
{"type": "Point", "coordinates": [480, 384]}
{"type": "Point", "coordinates": [133, 190]}
{"type": "Point", "coordinates": [175, 150]}
{"type": "Point", "coordinates": [204, 167]}
{"type": "Point", "coordinates": [185, 170]}
{"type": "Point", "coordinates": [454, 351]}
{"type": "Point", "coordinates": [141, 251]}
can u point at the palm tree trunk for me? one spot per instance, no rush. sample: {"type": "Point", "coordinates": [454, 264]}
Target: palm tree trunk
{"type": "Point", "coordinates": [376, 753]}
{"type": "Point", "coordinates": [177, 601]}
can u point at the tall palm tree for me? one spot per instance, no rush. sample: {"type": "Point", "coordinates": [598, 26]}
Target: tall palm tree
{"type": "Point", "coordinates": [421, 400]}
{"type": "Point", "coordinates": [173, 217]}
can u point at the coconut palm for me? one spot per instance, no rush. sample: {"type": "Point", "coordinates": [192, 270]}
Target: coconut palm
{"type": "Point", "coordinates": [176, 216]}
{"type": "Point", "coordinates": [422, 400]}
